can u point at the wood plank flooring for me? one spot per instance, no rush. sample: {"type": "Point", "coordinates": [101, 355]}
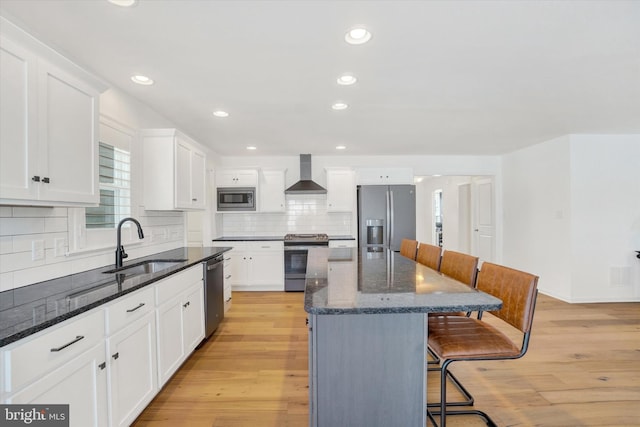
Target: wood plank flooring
{"type": "Point", "coordinates": [582, 369]}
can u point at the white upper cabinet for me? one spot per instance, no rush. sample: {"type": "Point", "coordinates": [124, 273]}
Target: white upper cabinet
{"type": "Point", "coordinates": [49, 132]}
{"type": "Point", "coordinates": [174, 171]}
{"type": "Point", "coordinates": [341, 190]}
{"type": "Point", "coordinates": [271, 191]}
{"type": "Point", "coordinates": [384, 176]}
{"type": "Point", "coordinates": [237, 178]}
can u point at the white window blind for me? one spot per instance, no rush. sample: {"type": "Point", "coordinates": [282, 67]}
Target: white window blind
{"type": "Point", "coordinates": [115, 188]}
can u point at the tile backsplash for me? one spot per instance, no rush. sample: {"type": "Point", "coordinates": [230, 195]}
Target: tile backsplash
{"type": "Point", "coordinates": [34, 243]}
{"type": "Point", "coordinates": [304, 214]}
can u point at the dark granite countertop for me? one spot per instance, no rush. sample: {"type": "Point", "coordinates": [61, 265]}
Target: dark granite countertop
{"type": "Point", "coordinates": [270, 238]}
{"type": "Point", "coordinates": [356, 281]}
{"type": "Point", "coordinates": [248, 238]}
{"type": "Point", "coordinates": [30, 309]}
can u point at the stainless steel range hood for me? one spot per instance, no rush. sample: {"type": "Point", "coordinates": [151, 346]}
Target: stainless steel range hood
{"type": "Point", "coordinates": [305, 185]}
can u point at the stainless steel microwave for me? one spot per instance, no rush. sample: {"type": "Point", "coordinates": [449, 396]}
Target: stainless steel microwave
{"type": "Point", "coordinates": [236, 199]}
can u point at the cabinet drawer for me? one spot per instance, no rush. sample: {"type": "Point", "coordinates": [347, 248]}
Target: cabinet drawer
{"type": "Point", "coordinates": [129, 309]}
{"type": "Point", "coordinates": [175, 284]}
{"type": "Point", "coordinates": [40, 354]}
{"type": "Point", "coordinates": [267, 246]}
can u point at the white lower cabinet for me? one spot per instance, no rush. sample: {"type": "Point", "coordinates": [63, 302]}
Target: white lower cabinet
{"type": "Point", "coordinates": [81, 383]}
{"type": "Point", "coordinates": [228, 260]}
{"type": "Point", "coordinates": [131, 350]}
{"type": "Point", "coordinates": [64, 364]}
{"type": "Point", "coordinates": [180, 319]}
{"type": "Point", "coordinates": [257, 266]}
{"type": "Point", "coordinates": [110, 362]}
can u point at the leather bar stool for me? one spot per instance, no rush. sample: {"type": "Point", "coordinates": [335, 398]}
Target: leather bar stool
{"type": "Point", "coordinates": [461, 338]}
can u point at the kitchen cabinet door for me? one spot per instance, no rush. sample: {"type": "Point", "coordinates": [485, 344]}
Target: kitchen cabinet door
{"type": "Point", "coordinates": [81, 383]}
{"type": "Point", "coordinates": [68, 129]}
{"type": "Point", "coordinates": [341, 190]}
{"type": "Point", "coordinates": [384, 176]}
{"type": "Point", "coordinates": [48, 116]}
{"type": "Point", "coordinates": [174, 171]}
{"type": "Point", "coordinates": [179, 319]}
{"type": "Point", "coordinates": [272, 186]}
{"type": "Point", "coordinates": [267, 269]}
{"type": "Point", "coordinates": [193, 318]}
{"type": "Point", "coordinates": [18, 112]}
{"type": "Point", "coordinates": [170, 339]}
{"type": "Point", "coordinates": [132, 370]}
{"type": "Point", "coordinates": [257, 266]}
{"type": "Point", "coordinates": [228, 261]}
{"type": "Point", "coordinates": [198, 180]}
{"type": "Point", "coordinates": [237, 178]}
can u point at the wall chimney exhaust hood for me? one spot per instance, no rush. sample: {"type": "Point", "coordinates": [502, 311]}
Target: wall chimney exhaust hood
{"type": "Point", "coordinates": [305, 185]}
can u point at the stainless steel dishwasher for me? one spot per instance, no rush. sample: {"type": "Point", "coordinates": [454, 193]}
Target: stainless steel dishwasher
{"type": "Point", "coordinates": [213, 294]}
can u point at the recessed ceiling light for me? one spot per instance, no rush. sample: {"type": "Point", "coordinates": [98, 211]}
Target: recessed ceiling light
{"type": "Point", "coordinates": [251, 147]}
{"type": "Point", "coordinates": [341, 147]}
{"type": "Point", "coordinates": [220, 113]}
{"type": "Point", "coordinates": [346, 79]}
{"type": "Point", "coordinates": [142, 80]}
{"type": "Point", "coordinates": [357, 35]}
{"type": "Point", "coordinates": [123, 3]}
{"type": "Point", "coordinates": [339, 106]}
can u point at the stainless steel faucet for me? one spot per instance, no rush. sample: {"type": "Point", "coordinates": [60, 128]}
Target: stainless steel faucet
{"type": "Point", "coordinates": [120, 253]}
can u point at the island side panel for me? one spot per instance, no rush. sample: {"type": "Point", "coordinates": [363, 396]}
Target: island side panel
{"type": "Point", "coordinates": [368, 370]}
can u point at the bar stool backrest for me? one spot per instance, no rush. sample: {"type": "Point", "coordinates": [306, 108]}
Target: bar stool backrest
{"type": "Point", "coordinates": [429, 255]}
{"type": "Point", "coordinates": [408, 248]}
{"type": "Point", "coordinates": [459, 266]}
{"type": "Point", "coordinates": [515, 288]}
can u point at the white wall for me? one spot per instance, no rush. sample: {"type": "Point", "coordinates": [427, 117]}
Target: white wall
{"type": "Point", "coordinates": [20, 226]}
{"type": "Point", "coordinates": [605, 220]}
{"type": "Point", "coordinates": [536, 214]}
{"type": "Point", "coordinates": [572, 216]}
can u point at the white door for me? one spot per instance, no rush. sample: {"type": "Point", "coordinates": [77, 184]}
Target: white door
{"type": "Point", "coordinates": [484, 219]}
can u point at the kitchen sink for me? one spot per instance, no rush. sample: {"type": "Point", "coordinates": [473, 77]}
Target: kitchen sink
{"type": "Point", "coordinates": [146, 267]}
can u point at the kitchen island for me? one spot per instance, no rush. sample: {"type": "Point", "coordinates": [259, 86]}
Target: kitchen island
{"type": "Point", "coordinates": [368, 334]}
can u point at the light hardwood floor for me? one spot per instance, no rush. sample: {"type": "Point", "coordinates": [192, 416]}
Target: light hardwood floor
{"type": "Point", "coordinates": [582, 369]}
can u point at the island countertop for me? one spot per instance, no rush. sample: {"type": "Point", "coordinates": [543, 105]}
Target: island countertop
{"type": "Point", "coordinates": [30, 309]}
{"type": "Point", "coordinates": [356, 281]}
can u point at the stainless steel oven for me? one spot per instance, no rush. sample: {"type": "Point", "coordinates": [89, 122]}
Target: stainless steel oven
{"type": "Point", "coordinates": [236, 199]}
{"type": "Point", "coordinates": [296, 247]}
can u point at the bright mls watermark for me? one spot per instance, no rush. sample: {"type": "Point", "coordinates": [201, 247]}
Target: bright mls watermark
{"type": "Point", "coordinates": [34, 415]}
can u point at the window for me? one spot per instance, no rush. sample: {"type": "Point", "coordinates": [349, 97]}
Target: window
{"type": "Point", "coordinates": [115, 188]}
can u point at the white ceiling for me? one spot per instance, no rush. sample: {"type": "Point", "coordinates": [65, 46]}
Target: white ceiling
{"type": "Point", "coordinates": [438, 77]}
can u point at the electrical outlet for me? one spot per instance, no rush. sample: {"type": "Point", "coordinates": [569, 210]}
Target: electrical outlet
{"type": "Point", "coordinates": [59, 246]}
{"type": "Point", "coordinates": [37, 250]}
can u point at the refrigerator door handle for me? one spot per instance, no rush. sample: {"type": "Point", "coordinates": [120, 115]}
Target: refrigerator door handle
{"type": "Point", "coordinates": [391, 219]}
{"type": "Point", "coordinates": [387, 243]}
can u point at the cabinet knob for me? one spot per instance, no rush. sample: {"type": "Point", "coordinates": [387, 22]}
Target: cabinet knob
{"type": "Point", "coordinates": [194, 200]}
{"type": "Point", "coordinates": [35, 178]}
{"type": "Point", "coordinates": [102, 365]}
{"type": "Point", "coordinates": [45, 180]}
{"type": "Point", "coordinates": [115, 356]}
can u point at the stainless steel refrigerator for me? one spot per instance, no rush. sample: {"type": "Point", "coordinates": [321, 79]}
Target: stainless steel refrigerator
{"type": "Point", "coordinates": [386, 215]}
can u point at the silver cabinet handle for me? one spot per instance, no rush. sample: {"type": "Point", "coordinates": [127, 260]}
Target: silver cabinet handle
{"type": "Point", "coordinates": [78, 338]}
{"type": "Point", "coordinates": [228, 277]}
{"type": "Point", "coordinates": [131, 310]}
